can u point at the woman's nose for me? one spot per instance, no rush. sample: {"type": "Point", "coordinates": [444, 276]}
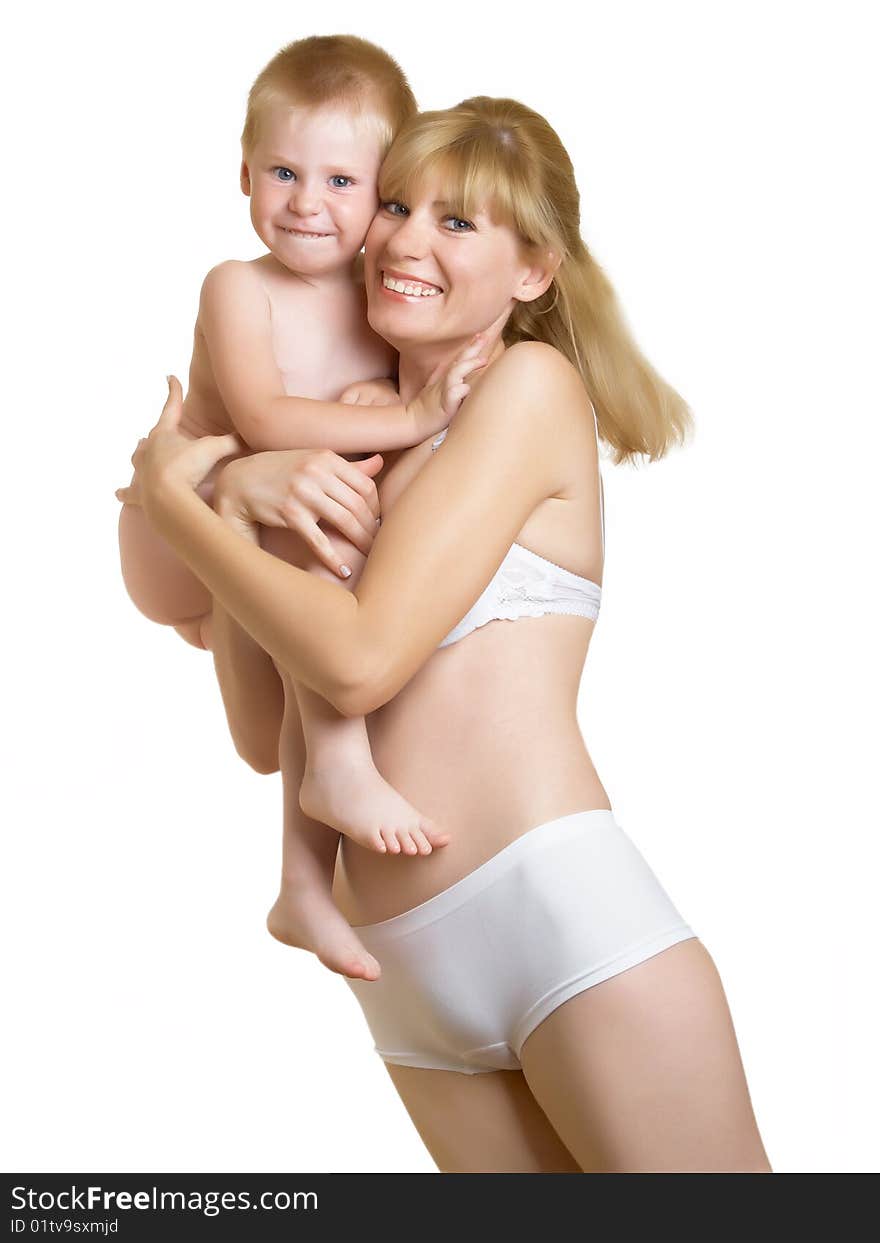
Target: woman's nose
{"type": "Point", "coordinates": [410, 239]}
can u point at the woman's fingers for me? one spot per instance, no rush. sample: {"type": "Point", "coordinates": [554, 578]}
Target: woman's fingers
{"type": "Point", "coordinates": [341, 518]}
{"type": "Point", "coordinates": [218, 447]}
{"type": "Point", "coordinates": [305, 525]}
{"type": "Point", "coordinates": [173, 407]}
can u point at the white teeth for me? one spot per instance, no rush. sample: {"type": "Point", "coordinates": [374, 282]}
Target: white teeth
{"type": "Point", "coordinates": [413, 288]}
{"type": "Point", "coordinates": [301, 233]}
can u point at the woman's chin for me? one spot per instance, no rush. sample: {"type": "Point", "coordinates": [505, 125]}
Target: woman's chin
{"type": "Point", "coordinates": [401, 327]}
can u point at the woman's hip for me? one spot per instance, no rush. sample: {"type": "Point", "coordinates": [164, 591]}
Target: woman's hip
{"type": "Point", "coordinates": [471, 971]}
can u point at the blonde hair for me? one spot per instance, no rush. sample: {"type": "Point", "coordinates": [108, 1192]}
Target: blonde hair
{"type": "Point", "coordinates": [497, 155]}
{"type": "Point", "coordinates": [333, 69]}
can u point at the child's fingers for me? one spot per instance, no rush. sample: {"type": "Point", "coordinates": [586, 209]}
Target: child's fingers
{"type": "Point", "coordinates": [461, 372]}
{"type": "Point", "coordinates": [472, 365]}
{"type": "Point", "coordinates": [473, 347]}
{"type": "Point", "coordinates": [493, 332]}
{"type": "Point", "coordinates": [454, 398]}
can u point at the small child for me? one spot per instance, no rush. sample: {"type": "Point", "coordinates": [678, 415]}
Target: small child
{"type": "Point", "coordinates": [281, 343]}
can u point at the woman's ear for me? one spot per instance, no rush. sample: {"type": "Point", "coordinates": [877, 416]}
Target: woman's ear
{"type": "Point", "coordinates": [245, 179]}
{"type": "Point", "coordinates": [538, 276]}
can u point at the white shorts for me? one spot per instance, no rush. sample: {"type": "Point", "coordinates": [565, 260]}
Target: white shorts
{"type": "Point", "coordinates": [469, 974]}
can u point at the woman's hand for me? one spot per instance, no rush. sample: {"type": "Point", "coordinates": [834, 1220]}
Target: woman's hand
{"type": "Point", "coordinates": [168, 460]}
{"type": "Point", "coordinates": [297, 488]}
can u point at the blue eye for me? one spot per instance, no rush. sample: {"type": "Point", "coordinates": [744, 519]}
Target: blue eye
{"type": "Point", "coordinates": [390, 206]}
{"type": "Point", "coordinates": [457, 220]}
{"type": "Point", "coordinates": [334, 181]}
{"type": "Point", "coordinates": [284, 174]}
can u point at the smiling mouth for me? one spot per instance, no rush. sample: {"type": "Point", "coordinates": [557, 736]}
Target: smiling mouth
{"type": "Point", "coordinates": [413, 289]}
{"type": "Point", "coordinates": [302, 233]}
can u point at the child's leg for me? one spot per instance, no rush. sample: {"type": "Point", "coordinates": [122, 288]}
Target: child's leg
{"type": "Point", "coordinates": [160, 585]}
{"type": "Point", "coordinates": [342, 787]}
{"type": "Point", "coordinates": [304, 914]}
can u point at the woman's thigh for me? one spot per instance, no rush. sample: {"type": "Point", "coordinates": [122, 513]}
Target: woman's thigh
{"type": "Point", "coordinates": [644, 1072]}
{"type": "Point", "coordinates": [481, 1124]}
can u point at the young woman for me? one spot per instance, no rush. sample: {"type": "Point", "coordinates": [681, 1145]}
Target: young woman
{"type": "Point", "coordinates": [542, 1005]}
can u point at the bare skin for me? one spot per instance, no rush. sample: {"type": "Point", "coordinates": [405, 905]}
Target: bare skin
{"type": "Point", "coordinates": [292, 323]}
{"type": "Point", "coordinates": [642, 1071]}
{"type": "Point", "coordinates": [579, 1103]}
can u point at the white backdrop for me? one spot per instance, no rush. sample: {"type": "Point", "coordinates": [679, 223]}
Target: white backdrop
{"type": "Point", "coordinates": [724, 158]}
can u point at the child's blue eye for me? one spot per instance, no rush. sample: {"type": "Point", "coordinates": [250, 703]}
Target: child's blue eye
{"type": "Point", "coordinates": [391, 204]}
{"type": "Point", "coordinates": [284, 174]}
{"type": "Point", "coordinates": [335, 181]}
{"type": "Point", "coordinates": [457, 220]}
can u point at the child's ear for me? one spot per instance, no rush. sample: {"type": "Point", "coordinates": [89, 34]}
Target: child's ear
{"type": "Point", "coordinates": [245, 177]}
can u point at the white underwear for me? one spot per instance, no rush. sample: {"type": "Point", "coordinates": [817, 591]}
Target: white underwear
{"type": "Point", "coordinates": [468, 975]}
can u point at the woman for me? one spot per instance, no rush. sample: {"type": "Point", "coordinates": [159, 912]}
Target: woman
{"type": "Point", "coordinates": [542, 1006]}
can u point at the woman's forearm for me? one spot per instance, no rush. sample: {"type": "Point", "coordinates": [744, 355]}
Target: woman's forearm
{"type": "Point", "coordinates": [308, 625]}
{"type": "Point", "coordinates": [252, 691]}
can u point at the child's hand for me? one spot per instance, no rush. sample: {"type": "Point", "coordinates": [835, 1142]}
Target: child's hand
{"type": "Point", "coordinates": [371, 393]}
{"type": "Point", "coordinates": [446, 389]}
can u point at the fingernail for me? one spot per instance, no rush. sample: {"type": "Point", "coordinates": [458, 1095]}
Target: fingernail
{"type": "Point", "coordinates": [345, 571]}
{"type": "Point", "coordinates": [378, 521]}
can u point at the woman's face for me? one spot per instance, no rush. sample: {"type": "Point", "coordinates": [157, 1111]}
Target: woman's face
{"type": "Point", "coordinates": [433, 277]}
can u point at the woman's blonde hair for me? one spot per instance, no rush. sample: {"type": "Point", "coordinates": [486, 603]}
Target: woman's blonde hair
{"type": "Point", "coordinates": [498, 156]}
{"type": "Point", "coordinates": [332, 69]}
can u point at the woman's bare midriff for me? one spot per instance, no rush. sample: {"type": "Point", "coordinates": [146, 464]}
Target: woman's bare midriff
{"type": "Point", "coordinates": [484, 740]}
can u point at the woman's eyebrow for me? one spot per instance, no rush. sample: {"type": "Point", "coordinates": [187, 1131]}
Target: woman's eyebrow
{"type": "Point", "coordinates": [455, 206]}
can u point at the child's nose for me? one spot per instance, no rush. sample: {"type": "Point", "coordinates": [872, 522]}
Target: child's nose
{"type": "Point", "coordinates": [304, 200]}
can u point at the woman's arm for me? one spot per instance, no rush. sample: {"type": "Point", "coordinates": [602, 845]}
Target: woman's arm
{"type": "Point", "coordinates": [434, 554]}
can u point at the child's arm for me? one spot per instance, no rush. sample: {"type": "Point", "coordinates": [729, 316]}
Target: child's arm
{"type": "Point", "coordinates": [235, 317]}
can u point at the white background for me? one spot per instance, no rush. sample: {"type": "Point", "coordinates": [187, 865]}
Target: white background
{"type": "Point", "coordinates": [726, 162]}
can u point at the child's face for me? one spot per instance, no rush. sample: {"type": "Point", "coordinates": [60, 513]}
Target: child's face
{"type": "Point", "coordinates": [311, 178]}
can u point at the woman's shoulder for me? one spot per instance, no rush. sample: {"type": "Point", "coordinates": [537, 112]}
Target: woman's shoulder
{"type": "Point", "coordinates": [533, 373]}
{"type": "Point", "coordinates": [540, 363]}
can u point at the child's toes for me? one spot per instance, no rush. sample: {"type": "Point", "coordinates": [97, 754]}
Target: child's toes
{"type": "Point", "coordinates": [389, 837]}
{"type": "Point", "coordinates": [421, 841]}
{"type": "Point", "coordinates": [408, 846]}
{"type": "Point", "coordinates": [434, 835]}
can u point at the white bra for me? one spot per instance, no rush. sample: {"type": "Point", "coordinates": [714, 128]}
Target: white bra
{"type": "Point", "coordinates": [528, 585]}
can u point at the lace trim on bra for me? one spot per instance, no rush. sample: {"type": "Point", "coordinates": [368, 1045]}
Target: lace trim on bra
{"type": "Point", "coordinates": [529, 585]}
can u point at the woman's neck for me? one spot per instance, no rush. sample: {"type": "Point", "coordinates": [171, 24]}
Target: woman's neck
{"type": "Point", "coordinates": [417, 363]}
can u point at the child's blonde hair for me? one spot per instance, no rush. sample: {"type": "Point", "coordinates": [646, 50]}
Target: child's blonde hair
{"type": "Point", "coordinates": [498, 155]}
{"type": "Point", "coordinates": [333, 69]}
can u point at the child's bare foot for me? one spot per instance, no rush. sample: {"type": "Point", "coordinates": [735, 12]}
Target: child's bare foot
{"type": "Point", "coordinates": [355, 798]}
{"type": "Point", "coordinates": [307, 918]}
